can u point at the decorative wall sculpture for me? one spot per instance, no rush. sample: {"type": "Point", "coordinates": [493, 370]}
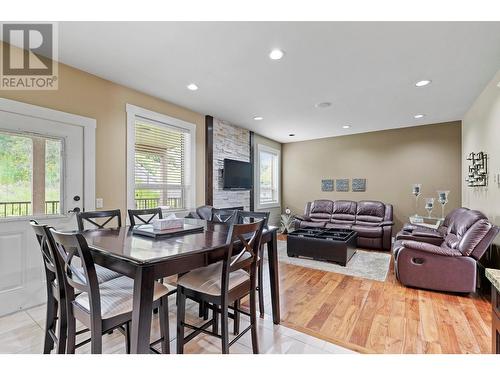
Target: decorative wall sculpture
{"type": "Point", "coordinates": [478, 169]}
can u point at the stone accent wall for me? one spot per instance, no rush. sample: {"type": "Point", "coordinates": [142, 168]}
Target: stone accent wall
{"type": "Point", "coordinates": [230, 142]}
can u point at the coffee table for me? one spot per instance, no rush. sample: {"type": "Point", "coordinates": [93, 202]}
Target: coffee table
{"type": "Point", "coordinates": [334, 245]}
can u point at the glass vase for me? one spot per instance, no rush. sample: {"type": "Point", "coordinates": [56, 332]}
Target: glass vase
{"type": "Point", "coordinates": [429, 206]}
{"type": "Point", "coordinates": [416, 191]}
{"type": "Point", "coordinates": [443, 199]}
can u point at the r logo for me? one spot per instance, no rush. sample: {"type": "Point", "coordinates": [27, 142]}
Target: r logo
{"type": "Point", "coordinates": [36, 40]}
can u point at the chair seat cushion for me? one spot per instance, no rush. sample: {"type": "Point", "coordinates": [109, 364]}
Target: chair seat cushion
{"type": "Point", "coordinates": [208, 279]}
{"type": "Point", "coordinates": [117, 295]}
{"type": "Point", "coordinates": [368, 231]}
{"type": "Point", "coordinates": [105, 274]}
{"type": "Point", "coordinates": [312, 224]}
{"type": "Point", "coordinates": [339, 226]}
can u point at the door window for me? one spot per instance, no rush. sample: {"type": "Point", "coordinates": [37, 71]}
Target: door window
{"type": "Point", "coordinates": [30, 175]}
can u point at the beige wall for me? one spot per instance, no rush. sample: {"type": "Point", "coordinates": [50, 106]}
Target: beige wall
{"type": "Point", "coordinates": [87, 95]}
{"type": "Point", "coordinates": [274, 212]}
{"type": "Point", "coordinates": [481, 132]}
{"type": "Point", "coordinates": [390, 160]}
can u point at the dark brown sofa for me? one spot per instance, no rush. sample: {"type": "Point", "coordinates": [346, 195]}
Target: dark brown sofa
{"type": "Point", "coordinates": [444, 259]}
{"type": "Point", "coordinates": [372, 220]}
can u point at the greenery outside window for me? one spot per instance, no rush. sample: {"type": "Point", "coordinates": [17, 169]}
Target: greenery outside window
{"type": "Point", "coordinates": [160, 166]}
{"type": "Point", "coordinates": [268, 177]}
{"type": "Point", "coordinates": [30, 174]}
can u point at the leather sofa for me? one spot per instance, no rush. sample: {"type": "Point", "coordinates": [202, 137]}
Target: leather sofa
{"type": "Point", "coordinates": [444, 259]}
{"type": "Point", "coordinates": [372, 220]}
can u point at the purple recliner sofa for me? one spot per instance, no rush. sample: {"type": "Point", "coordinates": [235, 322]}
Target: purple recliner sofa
{"type": "Point", "coordinates": [444, 259]}
{"type": "Point", "coordinates": [372, 220]}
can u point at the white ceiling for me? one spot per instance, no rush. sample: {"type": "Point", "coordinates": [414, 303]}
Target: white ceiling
{"type": "Point", "coordinates": [366, 70]}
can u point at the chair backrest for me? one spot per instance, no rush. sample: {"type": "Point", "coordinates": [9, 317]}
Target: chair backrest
{"type": "Point", "coordinates": [53, 269]}
{"type": "Point", "coordinates": [89, 217]}
{"type": "Point", "coordinates": [150, 214]}
{"type": "Point", "coordinates": [243, 244]}
{"type": "Point", "coordinates": [204, 212]}
{"type": "Point", "coordinates": [245, 217]}
{"type": "Point", "coordinates": [321, 210]}
{"type": "Point", "coordinates": [370, 212]}
{"type": "Point", "coordinates": [344, 212]}
{"type": "Point", "coordinates": [224, 215]}
{"type": "Point", "coordinates": [70, 247]}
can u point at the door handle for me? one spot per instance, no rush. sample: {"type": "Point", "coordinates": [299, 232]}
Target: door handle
{"type": "Point", "coordinates": [75, 210]}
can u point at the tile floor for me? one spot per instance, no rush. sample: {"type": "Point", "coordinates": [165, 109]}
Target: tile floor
{"type": "Point", "coordinates": [22, 332]}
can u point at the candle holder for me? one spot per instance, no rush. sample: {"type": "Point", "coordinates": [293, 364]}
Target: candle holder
{"type": "Point", "coordinates": [429, 205]}
{"type": "Point", "coordinates": [416, 191]}
{"type": "Point", "coordinates": [443, 199]}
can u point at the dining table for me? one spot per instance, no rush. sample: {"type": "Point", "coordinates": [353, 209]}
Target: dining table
{"type": "Point", "coordinates": [147, 259]}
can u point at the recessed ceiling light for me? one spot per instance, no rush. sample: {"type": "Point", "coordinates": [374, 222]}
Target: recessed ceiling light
{"type": "Point", "coordinates": [422, 83]}
{"type": "Point", "coordinates": [276, 54]}
{"type": "Point", "coordinates": [291, 135]}
{"type": "Point", "coordinates": [498, 85]}
{"type": "Point", "coordinates": [258, 118]}
{"type": "Point", "coordinates": [346, 126]}
{"type": "Point", "coordinates": [323, 105]}
{"type": "Point", "coordinates": [419, 116]}
{"type": "Point", "coordinates": [192, 86]}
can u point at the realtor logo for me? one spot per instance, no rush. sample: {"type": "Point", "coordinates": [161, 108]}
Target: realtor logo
{"type": "Point", "coordinates": [29, 56]}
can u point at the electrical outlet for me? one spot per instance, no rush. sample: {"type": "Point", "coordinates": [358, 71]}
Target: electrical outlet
{"type": "Point", "coordinates": [99, 203]}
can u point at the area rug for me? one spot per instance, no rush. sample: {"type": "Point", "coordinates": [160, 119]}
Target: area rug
{"type": "Point", "coordinates": [365, 264]}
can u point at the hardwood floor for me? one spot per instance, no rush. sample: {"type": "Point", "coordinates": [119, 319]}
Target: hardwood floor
{"type": "Point", "coordinates": [382, 317]}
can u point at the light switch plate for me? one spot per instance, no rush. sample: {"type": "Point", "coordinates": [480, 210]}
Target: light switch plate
{"type": "Point", "coordinates": [99, 203]}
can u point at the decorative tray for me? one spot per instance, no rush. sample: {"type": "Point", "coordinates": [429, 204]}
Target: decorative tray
{"type": "Point", "coordinates": [148, 231]}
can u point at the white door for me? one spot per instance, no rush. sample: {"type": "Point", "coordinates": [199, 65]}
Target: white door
{"type": "Point", "coordinates": [42, 178]}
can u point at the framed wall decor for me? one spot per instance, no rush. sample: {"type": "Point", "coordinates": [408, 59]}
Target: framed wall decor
{"type": "Point", "coordinates": [342, 184]}
{"type": "Point", "coordinates": [358, 184]}
{"type": "Point", "coordinates": [327, 185]}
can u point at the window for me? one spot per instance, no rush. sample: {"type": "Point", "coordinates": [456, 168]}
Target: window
{"type": "Point", "coordinates": [161, 162]}
{"type": "Point", "coordinates": [30, 175]}
{"type": "Point", "coordinates": [268, 176]}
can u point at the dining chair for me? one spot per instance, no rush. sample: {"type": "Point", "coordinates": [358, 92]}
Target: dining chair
{"type": "Point", "coordinates": [100, 307]}
{"type": "Point", "coordinates": [224, 215]}
{"type": "Point", "coordinates": [55, 315]}
{"type": "Point", "coordinates": [151, 213]}
{"type": "Point", "coordinates": [89, 216]}
{"type": "Point", "coordinates": [250, 217]}
{"type": "Point", "coordinates": [204, 212]}
{"type": "Point", "coordinates": [221, 284]}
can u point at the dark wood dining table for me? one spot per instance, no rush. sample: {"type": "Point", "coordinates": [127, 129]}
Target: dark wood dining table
{"type": "Point", "coordinates": [147, 259]}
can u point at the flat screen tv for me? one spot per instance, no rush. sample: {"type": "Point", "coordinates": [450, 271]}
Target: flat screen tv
{"type": "Point", "coordinates": [237, 174]}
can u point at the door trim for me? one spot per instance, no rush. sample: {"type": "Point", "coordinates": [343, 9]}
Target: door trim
{"type": "Point", "coordinates": [63, 118]}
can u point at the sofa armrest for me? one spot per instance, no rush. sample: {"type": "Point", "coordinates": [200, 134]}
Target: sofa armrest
{"type": "Point", "coordinates": [426, 233]}
{"type": "Point", "coordinates": [386, 223]}
{"type": "Point", "coordinates": [302, 218]}
{"type": "Point", "coordinates": [409, 227]}
{"type": "Point", "coordinates": [430, 248]}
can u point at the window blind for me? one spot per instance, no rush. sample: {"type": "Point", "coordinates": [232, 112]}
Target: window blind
{"type": "Point", "coordinates": [160, 165]}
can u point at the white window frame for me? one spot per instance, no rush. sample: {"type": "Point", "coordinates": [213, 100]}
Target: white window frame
{"type": "Point", "coordinates": [169, 122]}
{"type": "Point", "coordinates": [277, 153]}
{"type": "Point", "coordinates": [89, 147]}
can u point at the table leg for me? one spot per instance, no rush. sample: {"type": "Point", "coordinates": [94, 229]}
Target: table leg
{"type": "Point", "coordinates": [142, 311]}
{"type": "Point", "coordinates": [272, 255]}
